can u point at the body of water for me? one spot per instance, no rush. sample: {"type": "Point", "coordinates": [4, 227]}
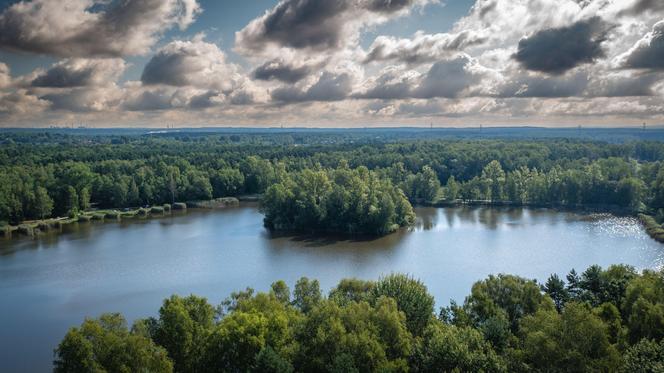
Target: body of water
{"type": "Point", "coordinates": [52, 283]}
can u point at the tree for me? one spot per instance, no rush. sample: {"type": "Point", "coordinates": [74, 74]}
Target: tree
{"type": "Point", "coordinates": [574, 341]}
{"type": "Point", "coordinates": [412, 298]}
{"type": "Point", "coordinates": [504, 295]}
{"type": "Point", "coordinates": [646, 356]}
{"type": "Point", "coordinates": [555, 288]}
{"type": "Point", "coordinates": [72, 205]}
{"type": "Point", "coordinates": [105, 344]}
{"type": "Point", "coordinates": [182, 329]}
{"type": "Point", "coordinates": [494, 176]}
{"type": "Point", "coordinates": [84, 199]}
{"type": "Point", "coordinates": [43, 204]}
{"type": "Point", "coordinates": [452, 189]}
{"type": "Point", "coordinates": [307, 294]}
{"type": "Point", "coordinates": [447, 348]}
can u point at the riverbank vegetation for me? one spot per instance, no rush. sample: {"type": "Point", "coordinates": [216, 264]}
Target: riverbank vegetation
{"type": "Point", "coordinates": [599, 320]}
{"type": "Point", "coordinates": [58, 175]}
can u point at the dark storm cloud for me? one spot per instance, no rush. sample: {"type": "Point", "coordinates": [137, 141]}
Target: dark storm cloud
{"type": "Point", "coordinates": [71, 28]}
{"type": "Point", "coordinates": [314, 24]}
{"type": "Point", "coordinates": [649, 52]}
{"type": "Point", "coordinates": [282, 71]}
{"type": "Point", "coordinates": [388, 6]}
{"type": "Point", "coordinates": [60, 77]}
{"type": "Point", "coordinates": [329, 87]}
{"type": "Point", "coordinates": [298, 24]}
{"type": "Point", "coordinates": [557, 50]}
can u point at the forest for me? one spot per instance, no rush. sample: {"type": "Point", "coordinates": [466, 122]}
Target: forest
{"type": "Point", "coordinates": [47, 174]}
{"type": "Point", "coordinates": [601, 320]}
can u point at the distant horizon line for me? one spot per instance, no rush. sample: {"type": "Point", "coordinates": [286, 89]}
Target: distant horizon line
{"type": "Point", "coordinates": [478, 126]}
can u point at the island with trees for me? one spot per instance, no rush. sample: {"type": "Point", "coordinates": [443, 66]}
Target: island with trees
{"type": "Point", "coordinates": [601, 320]}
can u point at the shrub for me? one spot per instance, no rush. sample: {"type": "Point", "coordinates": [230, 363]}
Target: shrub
{"type": "Point", "coordinates": [179, 206]}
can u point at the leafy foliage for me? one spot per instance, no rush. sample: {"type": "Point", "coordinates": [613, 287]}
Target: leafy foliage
{"type": "Point", "coordinates": [611, 322]}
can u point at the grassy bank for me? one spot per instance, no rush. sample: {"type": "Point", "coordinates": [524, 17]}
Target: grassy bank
{"type": "Point", "coordinates": [653, 228]}
{"type": "Point", "coordinates": [37, 227]}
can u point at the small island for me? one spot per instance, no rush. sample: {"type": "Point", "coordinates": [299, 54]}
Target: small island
{"type": "Point", "coordinates": [341, 200]}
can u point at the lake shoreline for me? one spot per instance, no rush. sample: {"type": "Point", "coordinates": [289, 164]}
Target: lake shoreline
{"type": "Point", "coordinates": [35, 228]}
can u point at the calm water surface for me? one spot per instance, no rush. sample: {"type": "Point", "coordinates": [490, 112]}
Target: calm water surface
{"type": "Point", "coordinates": [52, 283]}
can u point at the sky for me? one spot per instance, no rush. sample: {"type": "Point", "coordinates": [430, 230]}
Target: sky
{"type": "Point", "coordinates": [322, 63]}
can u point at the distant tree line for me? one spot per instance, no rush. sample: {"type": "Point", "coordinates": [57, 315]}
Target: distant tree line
{"type": "Point", "coordinates": [600, 320]}
{"type": "Point", "coordinates": [57, 175]}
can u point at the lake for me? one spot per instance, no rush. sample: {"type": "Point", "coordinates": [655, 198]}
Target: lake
{"type": "Point", "coordinates": [51, 283]}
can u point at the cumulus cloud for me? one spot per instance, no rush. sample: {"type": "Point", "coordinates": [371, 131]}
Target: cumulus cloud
{"type": "Point", "coordinates": [5, 75]}
{"type": "Point", "coordinates": [81, 100]}
{"type": "Point", "coordinates": [648, 53]}
{"type": "Point", "coordinates": [85, 28]}
{"type": "Point", "coordinates": [278, 69]}
{"type": "Point", "coordinates": [453, 77]}
{"type": "Point", "coordinates": [191, 63]}
{"type": "Point", "coordinates": [450, 78]}
{"type": "Point", "coordinates": [328, 87]}
{"type": "Point", "coordinates": [422, 47]}
{"type": "Point", "coordinates": [642, 6]}
{"type": "Point", "coordinates": [558, 50]}
{"type": "Point", "coordinates": [21, 102]}
{"type": "Point", "coordinates": [79, 72]}
{"type": "Point", "coordinates": [316, 24]}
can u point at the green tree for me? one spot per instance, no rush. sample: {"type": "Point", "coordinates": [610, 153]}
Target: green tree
{"type": "Point", "coordinates": [307, 294]}
{"type": "Point", "coordinates": [182, 329]}
{"type": "Point", "coordinates": [105, 344]}
{"type": "Point", "coordinates": [555, 288]}
{"type": "Point", "coordinates": [412, 298]}
{"type": "Point", "coordinates": [43, 204]}
{"type": "Point", "coordinates": [573, 341]}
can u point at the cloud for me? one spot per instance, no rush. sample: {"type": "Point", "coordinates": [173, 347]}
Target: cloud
{"type": "Point", "coordinates": [5, 75]}
{"type": "Point", "coordinates": [328, 87]}
{"type": "Point", "coordinates": [537, 85]}
{"type": "Point", "coordinates": [87, 28]}
{"type": "Point", "coordinates": [647, 53]}
{"type": "Point", "coordinates": [450, 78]}
{"type": "Point", "coordinates": [80, 73]}
{"type": "Point", "coordinates": [316, 24]}
{"type": "Point", "coordinates": [191, 63]}
{"type": "Point", "coordinates": [558, 50]}
{"type": "Point", "coordinates": [642, 6]}
{"type": "Point", "coordinates": [87, 99]}
{"type": "Point", "coordinates": [278, 69]}
{"type": "Point", "coordinates": [21, 102]}
{"type": "Point", "coordinates": [391, 83]}
{"type": "Point", "coordinates": [421, 48]}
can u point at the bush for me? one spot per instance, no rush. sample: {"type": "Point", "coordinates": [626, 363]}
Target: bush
{"type": "Point", "coordinates": [113, 215]}
{"type": "Point", "coordinates": [157, 210]}
{"type": "Point", "coordinates": [84, 218]}
{"type": "Point", "coordinates": [179, 206]}
{"type": "Point", "coordinates": [167, 207]}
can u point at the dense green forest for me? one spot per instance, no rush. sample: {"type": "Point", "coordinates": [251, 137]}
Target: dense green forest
{"type": "Point", "coordinates": [600, 320]}
{"type": "Point", "coordinates": [50, 174]}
